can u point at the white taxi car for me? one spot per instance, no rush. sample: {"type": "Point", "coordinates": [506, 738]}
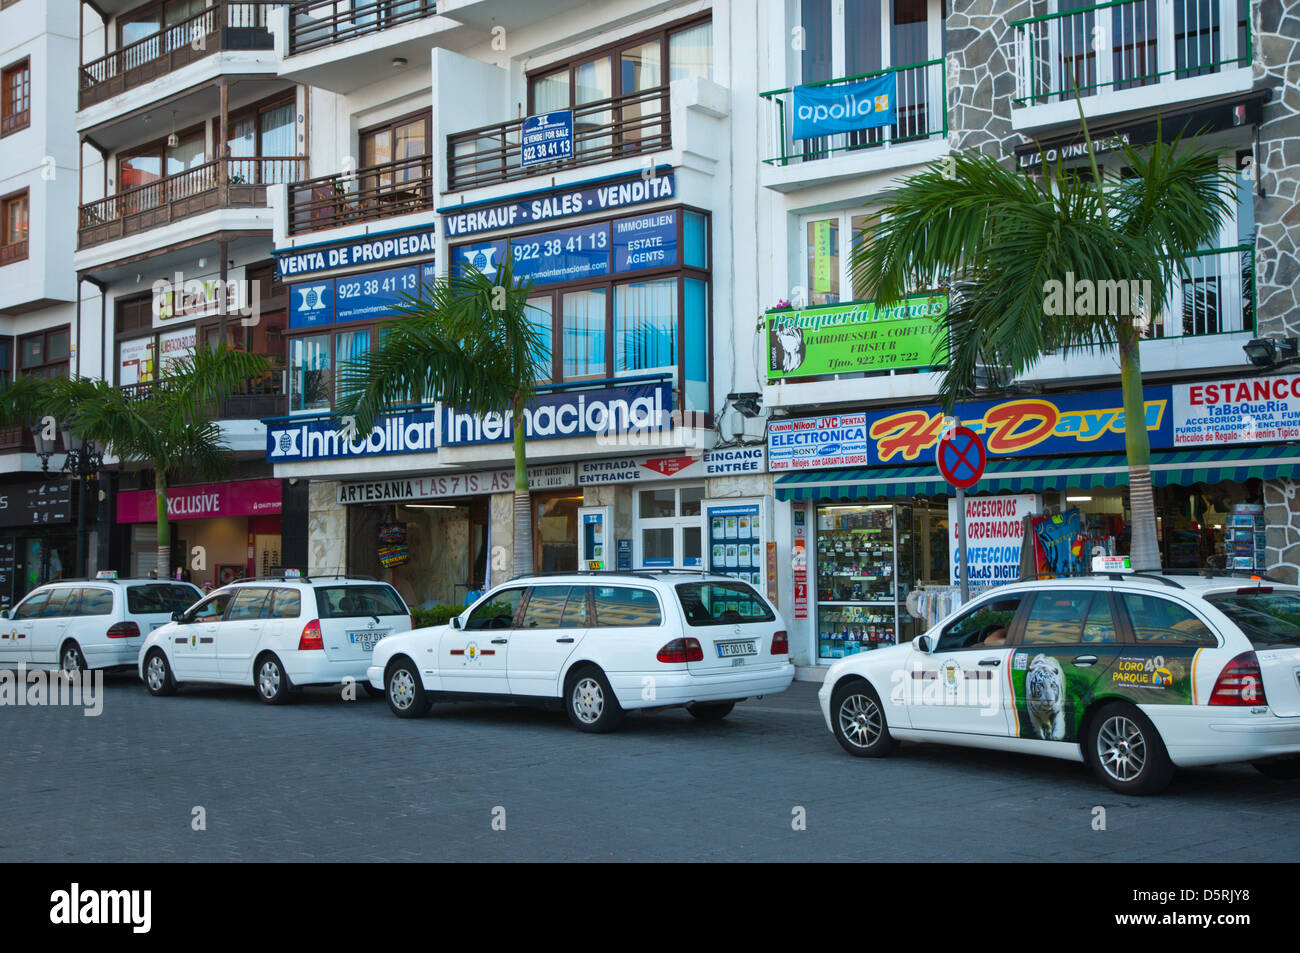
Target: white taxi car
{"type": "Point", "coordinates": [1135, 674]}
{"type": "Point", "coordinates": [89, 624]}
{"type": "Point", "coordinates": [275, 634]}
{"type": "Point", "coordinates": [599, 643]}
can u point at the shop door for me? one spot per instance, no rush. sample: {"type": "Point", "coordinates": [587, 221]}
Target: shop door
{"type": "Point", "coordinates": [144, 550]}
{"type": "Point", "coordinates": [555, 532]}
{"type": "Point", "coordinates": [669, 528]}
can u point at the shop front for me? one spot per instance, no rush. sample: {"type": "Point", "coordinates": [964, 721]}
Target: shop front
{"type": "Point", "coordinates": [221, 531]}
{"type": "Point", "coordinates": [38, 539]}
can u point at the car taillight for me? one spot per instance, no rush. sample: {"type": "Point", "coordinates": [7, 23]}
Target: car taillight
{"type": "Point", "coordinates": [124, 630]}
{"type": "Point", "coordinates": [681, 650]}
{"type": "Point", "coordinates": [1240, 683]}
{"type": "Point", "coordinates": [311, 637]}
{"type": "Point", "coordinates": [780, 644]}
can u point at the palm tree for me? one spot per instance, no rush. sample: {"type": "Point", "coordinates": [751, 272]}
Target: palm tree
{"type": "Point", "coordinates": [165, 425]}
{"type": "Point", "coordinates": [996, 238]}
{"type": "Point", "coordinates": [471, 341]}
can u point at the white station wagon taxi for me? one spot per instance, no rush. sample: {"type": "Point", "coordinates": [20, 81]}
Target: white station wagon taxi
{"type": "Point", "coordinates": [601, 644]}
{"type": "Point", "coordinates": [1133, 673]}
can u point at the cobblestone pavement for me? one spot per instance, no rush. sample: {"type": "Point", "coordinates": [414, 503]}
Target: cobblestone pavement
{"type": "Point", "coordinates": [328, 779]}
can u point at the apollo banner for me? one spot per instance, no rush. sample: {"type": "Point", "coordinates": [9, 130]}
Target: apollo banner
{"type": "Point", "coordinates": [845, 107]}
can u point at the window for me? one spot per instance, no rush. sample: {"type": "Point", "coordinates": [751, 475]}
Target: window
{"type": "Point", "coordinates": [96, 602]}
{"type": "Point", "coordinates": [583, 334]}
{"type": "Point", "coordinates": [1069, 616]}
{"type": "Point", "coordinates": [645, 326]}
{"type": "Point", "coordinates": [311, 380]}
{"type": "Point", "coordinates": [212, 608]}
{"type": "Point", "coordinates": [711, 603]}
{"type": "Point", "coordinates": [248, 603]}
{"type": "Point", "coordinates": [45, 353]}
{"type": "Point", "coordinates": [13, 241]}
{"type": "Point", "coordinates": [15, 97]}
{"type": "Point", "coordinates": [264, 131]}
{"type": "Point", "coordinates": [575, 608]}
{"type": "Point", "coordinates": [1156, 620]}
{"type": "Point", "coordinates": [32, 605]}
{"type": "Point", "coordinates": [157, 598]}
{"type": "Point", "coordinates": [497, 613]}
{"type": "Point", "coordinates": [62, 602]}
{"type": "Point", "coordinates": [545, 606]}
{"type": "Point", "coordinates": [619, 606]}
{"type": "Point", "coordinates": [345, 602]}
{"type": "Point", "coordinates": [400, 147]}
{"type": "Point", "coordinates": [669, 527]}
{"type": "Point", "coordinates": [980, 626]}
{"type": "Point", "coordinates": [284, 604]}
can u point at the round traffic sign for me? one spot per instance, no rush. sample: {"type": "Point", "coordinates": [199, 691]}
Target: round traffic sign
{"type": "Point", "coordinates": [961, 457]}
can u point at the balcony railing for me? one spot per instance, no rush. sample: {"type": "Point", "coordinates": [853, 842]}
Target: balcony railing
{"type": "Point", "coordinates": [602, 131]}
{"type": "Point", "coordinates": [366, 195]}
{"type": "Point", "coordinates": [263, 397]}
{"type": "Point", "coordinates": [226, 25]}
{"type": "Point", "coordinates": [1127, 44]}
{"type": "Point", "coordinates": [323, 23]}
{"type": "Point", "coordinates": [14, 251]}
{"type": "Point", "coordinates": [920, 112]}
{"type": "Point", "coordinates": [15, 121]}
{"type": "Point", "coordinates": [1216, 297]}
{"type": "Point", "coordinates": [228, 183]}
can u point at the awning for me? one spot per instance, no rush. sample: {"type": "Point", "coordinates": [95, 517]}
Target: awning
{"type": "Point", "coordinates": [1008, 474]}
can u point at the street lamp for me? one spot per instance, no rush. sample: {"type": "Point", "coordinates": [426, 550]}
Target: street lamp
{"type": "Point", "coordinates": [44, 447]}
{"type": "Point", "coordinates": [1270, 353]}
{"type": "Point", "coordinates": [82, 462]}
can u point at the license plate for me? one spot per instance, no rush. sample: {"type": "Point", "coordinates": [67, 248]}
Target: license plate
{"type": "Point", "coordinates": [729, 649]}
{"type": "Point", "coordinates": [366, 640]}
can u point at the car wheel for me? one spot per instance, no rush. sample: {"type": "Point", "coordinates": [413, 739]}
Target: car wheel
{"type": "Point", "coordinates": [158, 676]}
{"type": "Point", "coordinates": [71, 659]}
{"type": "Point", "coordinates": [372, 691]}
{"type": "Point", "coordinates": [405, 692]}
{"type": "Point", "coordinates": [1125, 751]}
{"type": "Point", "coordinates": [271, 681]}
{"type": "Point", "coordinates": [711, 711]}
{"type": "Point", "coordinates": [859, 721]}
{"type": "Point", "coordinates": [1279, 769]}
{"type": "Point", "coordinates": [591, 703]}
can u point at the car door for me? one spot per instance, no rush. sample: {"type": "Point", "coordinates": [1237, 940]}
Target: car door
{"type": "Point", "coordinates": [18, 629]}
{"type": "Point", "coordinates": [1063, 655]}
{"type": "Point", "coordinates": [473, 659]}
{"type": "Point", "coordinates": [50, 626]}
{"type": "Point", "coordinates": [194, 649]}
{"type": "Point", "coordinates": [961, 685]}
{"type": "Point", "coordinates": [554, 622]}
{"type": "Point", "coordinates": [239, 634]}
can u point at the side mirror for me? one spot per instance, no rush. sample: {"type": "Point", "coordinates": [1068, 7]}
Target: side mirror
{"type": "Point", "coordinates": [455, 622]}
{"type": "Point", "coordinates": [922, 644]}
{"type": "Point", "coordinates": [5, 614]}
{"type": "Point", "coordinates": [178, 615]}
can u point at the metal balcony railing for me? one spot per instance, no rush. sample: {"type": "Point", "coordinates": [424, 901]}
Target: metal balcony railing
{"type": "Point", "coordinates": [262, 397]}
{"type": "Point", "coordinates": [366, 195]}
{"type": "Point", "coordinates": [321, 23]}
{"type": "Point", "coordinates": [920, 110]}
{"type": "Point", "coordinates": [602, 131]}
{"type": "Point", "coordinates": [222, 183]}
{"type": "Point", "coordinates": [1216, 297]}
{"type": "Point", "coordinates": [225, 25]}
{"type": "Point", "coordinates": [1127, 44]}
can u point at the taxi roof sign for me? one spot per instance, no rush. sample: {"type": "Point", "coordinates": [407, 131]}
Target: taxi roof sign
{"type": "Point", "coordinates": [106, 574]}
{"type": "Point", "coordinates": [1112, 564]}
{"type": "Point", "coordinates": [293, 574]}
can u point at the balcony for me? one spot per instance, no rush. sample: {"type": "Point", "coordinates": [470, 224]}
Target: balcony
{"type": "Point", "coordinates": [1217, 296]}
{"type": "Point", "coordinates": [219, 184]}
{"type": "Point", "coordinates": [315, 25]}
{"type": "Point", "coordinates": [226, 25]}
{"type": "Point", "coordinates": [1150, 51]}
{"type": "Point", "coordinates": [259, 398]}
{"type": "Point", "coordinates": [636, 123]}
{"type": "Point", "coordinates": [14, 251]}
{"type": "Point", "coordinates": [367, 195]}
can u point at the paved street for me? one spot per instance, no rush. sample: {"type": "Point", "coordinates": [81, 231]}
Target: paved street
{"type": "Point", "coordinates": [325, 779]}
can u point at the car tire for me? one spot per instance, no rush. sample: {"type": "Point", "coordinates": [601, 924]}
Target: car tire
{"type": "Point", "coordinates": [711, 711]}
{"type": "Point", "coordinates": [1126, 752]}
{"type": "Point", "coordinates": [858, 720]}
{"type": "Point", "coordinates": [71, 658]}
{"type": "Point", "coordinates": [1279, 769]}
{"type": "Point", "coordinates": [590, 702]}
{"type": "Point", "coordinates": [271, 681]}
{"type": "Point", "coordinates": [404, 690]}
{"type": "Point", "coordinates": [158, 677]}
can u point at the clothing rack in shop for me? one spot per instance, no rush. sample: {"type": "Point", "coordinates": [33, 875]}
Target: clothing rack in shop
{"type": "Point", "coordinates": [933, 602]}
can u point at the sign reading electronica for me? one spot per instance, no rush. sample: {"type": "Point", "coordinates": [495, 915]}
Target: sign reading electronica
{"type": "Point", "coordinates": [850, 338]}
{"type": "Point", "coordinates": [1090, 422]}
{"type": "Point", "coordinates": [845, 107]}
{"type": "Point", "coordinates": [367, 297]}
{"type": "Point", "coordinates": [546, 208]}
{"type": "Point", "coordinates": [1251, 410]}
{"type": "Point", "coordinates": [367, 251]}
{"type": "Point", "coordinates": [546, 138]}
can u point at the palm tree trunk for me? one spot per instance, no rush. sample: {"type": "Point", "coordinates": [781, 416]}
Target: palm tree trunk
{"type": "Point", "coordinates": [523, 548]}
{"type": "Point", "coordinates": [1144, 547]}
{"type": "Point", "coordinates": [164, 526]}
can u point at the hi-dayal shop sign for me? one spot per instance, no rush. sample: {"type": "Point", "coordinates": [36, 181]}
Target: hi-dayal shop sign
{"type": "Point", "coordinates": [851, 338]}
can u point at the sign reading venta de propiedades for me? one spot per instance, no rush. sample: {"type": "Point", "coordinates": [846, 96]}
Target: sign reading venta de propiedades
{"type": "Point", "coordinates": [634, 409]}
{"type": "Point", "coordinates": [827, 110]}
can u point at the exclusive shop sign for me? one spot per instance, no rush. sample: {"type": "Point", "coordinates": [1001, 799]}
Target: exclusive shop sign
{"type": "Point", "coordinates": [856, 337]}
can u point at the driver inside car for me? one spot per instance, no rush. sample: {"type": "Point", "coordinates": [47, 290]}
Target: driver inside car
{"type": "Point", "coordinates": [998, 635]}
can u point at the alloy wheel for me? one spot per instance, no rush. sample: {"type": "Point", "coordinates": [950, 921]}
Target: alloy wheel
{"type": "Point", "coordinates": [588, 700]}
{"type": "Point", "coordinates": [401, 689]}
{"type": "Point", "coordinates": [860, 720]}
{"type": "Point", "coordinates": [155, 673]}
{"type": "Point", "coordinates": [1121, 748]}
{"type": "Point", "coordinates": [268, 679]}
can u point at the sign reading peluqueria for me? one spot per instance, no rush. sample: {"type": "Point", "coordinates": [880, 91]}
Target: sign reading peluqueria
{"type": "Point", "coordinates": [857, 337]}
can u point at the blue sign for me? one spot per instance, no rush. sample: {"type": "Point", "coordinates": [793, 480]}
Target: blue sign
{"type": "Point", "coordinates": [647, 241]}
{"type": "Point", "coordinates": [623, 549]}
{"type": "Point", "coordinates": [546, 138]}
{"type": "Point", "coordinates": [827, 110]}
{"type": "Point", "coordinates": [311, 305]}
{"type": "Point", "coordinates": [366, 251]}
{"type": "Point", "coordinates": [961, 457]}
{"type": "Point", "coordinates": [372, 296]}
{"type": "Point", "coordinates": [289, 442]}
{"type": "Point", "coordinates": [570, 254]}
{"type": "Point", "coordinates": [553, 205]}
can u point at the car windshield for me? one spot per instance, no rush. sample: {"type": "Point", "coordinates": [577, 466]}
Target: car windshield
{"type": "Point", "coordinates": [347, 602]}
{"type": "Point", "coordinates": [159, 597]}
{"type": "Point", "coordinates": [1267, 618]}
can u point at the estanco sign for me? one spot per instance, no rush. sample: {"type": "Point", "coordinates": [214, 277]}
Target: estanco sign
{"type": "Point", "coordinates": [1256, 410]}
{"type": "Point", "coordinates": [623, 410]}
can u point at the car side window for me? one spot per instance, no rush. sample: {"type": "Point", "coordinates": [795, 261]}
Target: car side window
{"type": "Point", "coordinates": [618, 606]}
{"type": "Point", "coordinates": [283, 604]}
{"type": "Point", "coordinates": [247, 603]}
{"type": "Point", "coordinates": [575, 608]}
{"type": "Point", "coordinates": [983, 626]}
{"type": "Point", "coordinates": [1161, 621]}
{"type": "Point", "coordinates": [544, 608]}
{"type": "Point", "coordinates": [62, 603]}
{"type": "Point", "coordinates": [212, 608]}
{"type": "Point", "coordinates": [95, 602]}
{"type": "Point", "coordinates": [498, 612]}
{"type": "Point", "coordinates": [1069, 616]}
{"type": "Point", "coordinates": [32, 605]}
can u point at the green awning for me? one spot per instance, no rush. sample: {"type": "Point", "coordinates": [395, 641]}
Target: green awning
{"type": "Point", "coordinates": [1008, 474]}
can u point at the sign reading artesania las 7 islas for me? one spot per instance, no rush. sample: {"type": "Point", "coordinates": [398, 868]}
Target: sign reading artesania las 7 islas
{"type": "Point", "coordinates": [851, 338]}
{"type": "Point", "coordinates": [640, 408]}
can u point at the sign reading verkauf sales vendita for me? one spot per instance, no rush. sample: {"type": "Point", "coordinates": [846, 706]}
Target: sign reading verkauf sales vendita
{"type": "Point", "coordinates": [844, 107]}
{"type": "Point", "coordinates": [546, 137]}
{"type": "Point", "coordinates": [851, 338]}
{"type": "Point", "coordinates": [1252, 410]}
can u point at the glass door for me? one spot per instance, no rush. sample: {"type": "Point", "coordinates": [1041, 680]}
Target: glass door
{"type": "Point", "coordinates": [669, 528]}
